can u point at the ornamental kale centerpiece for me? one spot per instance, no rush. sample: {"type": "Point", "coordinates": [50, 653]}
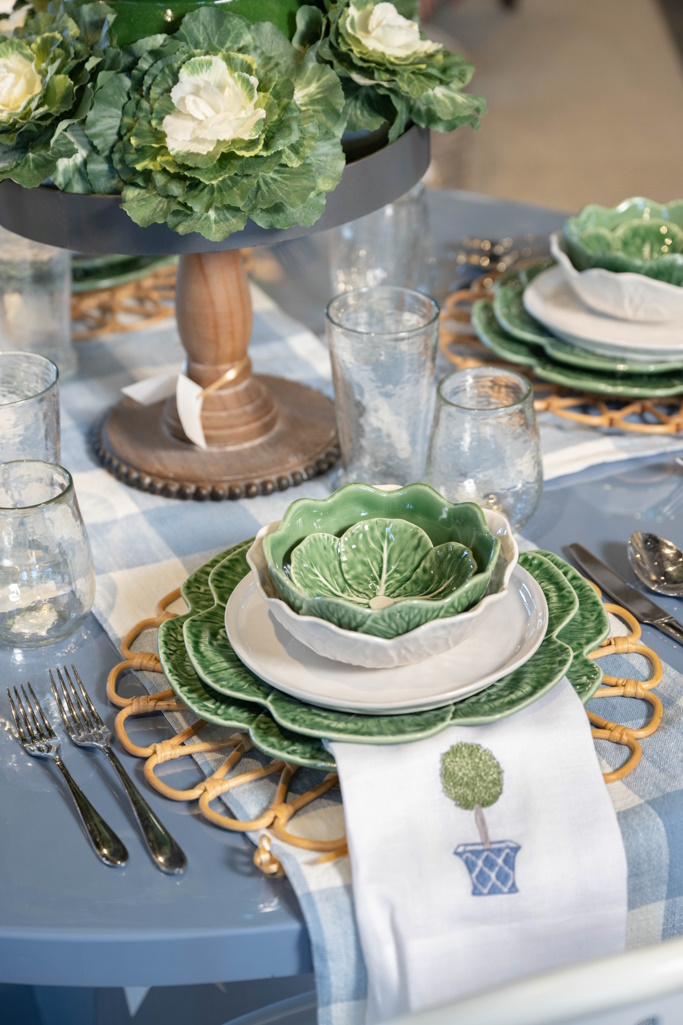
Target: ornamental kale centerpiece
{"type": "Point", "coordinates": [202, 115]}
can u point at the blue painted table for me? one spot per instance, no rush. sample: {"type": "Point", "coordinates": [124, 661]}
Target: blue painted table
{"type": "Point", "coordinates": [68, 921]}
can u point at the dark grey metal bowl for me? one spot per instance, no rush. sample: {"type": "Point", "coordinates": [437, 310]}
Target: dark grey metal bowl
{"type": "Point", "coordinates": [98, 224]}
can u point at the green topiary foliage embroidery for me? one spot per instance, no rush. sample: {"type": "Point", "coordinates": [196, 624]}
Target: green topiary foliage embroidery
{"type": "Point", "coordinates": [471, 776]}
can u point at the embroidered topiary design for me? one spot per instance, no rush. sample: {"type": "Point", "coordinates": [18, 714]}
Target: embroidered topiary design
{"type": "Point", "coordinates": [473, 779]}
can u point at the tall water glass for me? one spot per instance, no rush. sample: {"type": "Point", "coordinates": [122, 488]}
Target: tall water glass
{"type": "Point", "coordinates": [485, 446]}
{"type": "Point", "coordinates": [47, 582]}
{"type": "Point", "coordinates": [29, 407]}
{"type": "Point", "coordinates": [382, 349]}
{"type": "Point", "coordinates": [391, 246]}
{"type": "Point", "coordinates": [35, 300]}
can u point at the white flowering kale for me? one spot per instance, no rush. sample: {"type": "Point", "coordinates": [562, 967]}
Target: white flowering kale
{"type": "Point", "coordinates": [47, 62]}
{"type": "Point", "coordinates": [390, 72]}
{"type": "Point", "coordinates": [225, 120]}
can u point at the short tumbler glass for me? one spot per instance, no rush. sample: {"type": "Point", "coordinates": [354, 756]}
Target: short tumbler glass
{"type": "Point", "coordinates": [383, 349]}
{"type": "Point", "coordinates": [485, 446]}
{"type": "Point", "coordinates": [47, 581]}
{"type": "Point", "coordinates": [29, 407]}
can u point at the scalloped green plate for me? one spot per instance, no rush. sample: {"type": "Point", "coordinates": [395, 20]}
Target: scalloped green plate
{"type": "Point", "coordinates": [90, 273]}
{"type": "Point", "coordinates": [513, 318]}
{"type": "Point", "coordinates": [216, 708]}
{"type": "Point", "coordinates": [514, 350]}
{"type": "Point", "coordinates": [285, 728]}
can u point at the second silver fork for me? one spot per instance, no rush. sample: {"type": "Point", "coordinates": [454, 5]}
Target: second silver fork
{"type": "Point", "coordinates": [85, 727]}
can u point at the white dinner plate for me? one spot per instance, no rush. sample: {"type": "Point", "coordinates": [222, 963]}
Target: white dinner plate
{"type": "Point", "coordinates": [550, 299]}
{"type": "Point", "coordinates": [504, 638]}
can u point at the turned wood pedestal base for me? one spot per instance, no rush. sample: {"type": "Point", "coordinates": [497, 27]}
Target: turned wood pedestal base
{"type": "Point", "coordinates": [134, 443]}
{"type": "Point", "coordinates": [262, 433]}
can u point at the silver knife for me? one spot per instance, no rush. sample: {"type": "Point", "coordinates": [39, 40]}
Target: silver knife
{"type": "Point", "coordinates": [638, 604]}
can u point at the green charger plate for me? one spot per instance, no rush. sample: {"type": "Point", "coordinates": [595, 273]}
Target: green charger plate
{"type": "Point", "coordinates": [225, 692]}
{"type": "Point", "coordinates": [216, 708]}
{"type": "Point", "coordinates": [514, 350]}
{"type": "Point", "coordinates": [508, 307]}
{"type": "Point", "coordinates": [89, 273]}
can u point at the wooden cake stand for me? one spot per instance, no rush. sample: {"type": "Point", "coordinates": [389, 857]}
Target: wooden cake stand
{"type": "Point", "coordinates": [263, 433]}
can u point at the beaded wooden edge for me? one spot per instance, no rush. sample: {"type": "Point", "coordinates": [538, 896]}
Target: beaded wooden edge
{"type": "Point", "coordinates": [283, 808]}
{"type": "Point", "coordinates": [463, 349]}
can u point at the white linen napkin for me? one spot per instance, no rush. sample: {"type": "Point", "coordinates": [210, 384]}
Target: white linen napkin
{"type": "Point", "coordinates": [441, 915]}
{"type": "Point", "coordinates": [570, 448]}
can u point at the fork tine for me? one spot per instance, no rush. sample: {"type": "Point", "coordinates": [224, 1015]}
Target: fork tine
{"type": "Point", "coordinates": [81, 707]}
{"type": "Point", "coordinates": [63, 710]}
{"type": "Point", "coordinates": [39, 735]}
{"type": "Point", "coordinates": [93, 711]}
{"type": "Point", "coordinates": [23, 736]}
{"type": "Point", "coordinates": [46, 722]}
{"type": "Point", "coordinates": [72, 708]}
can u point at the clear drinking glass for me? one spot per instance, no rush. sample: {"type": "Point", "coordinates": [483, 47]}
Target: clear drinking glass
{"type": "Point", "coordinates": [391, 246]}
{"type": "Point", "coordinates": [382, 349]}
{"type": "Point", "coordinates": [29, 407]}
{"type": "Point", "coordinates": [485, 446]}
{"type": "Point", "coordinates": [35, 300]}
{"type": "Point", "coordinates": [47, 581]}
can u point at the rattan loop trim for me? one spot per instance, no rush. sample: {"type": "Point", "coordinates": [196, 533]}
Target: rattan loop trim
{"type": "Point", "coordinates": [126, 307]}
{"type": "Point", "coordinates": [267, 862]}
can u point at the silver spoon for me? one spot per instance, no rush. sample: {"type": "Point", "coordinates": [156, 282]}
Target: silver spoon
{"type": "Point", "coordinates": [657, 562]}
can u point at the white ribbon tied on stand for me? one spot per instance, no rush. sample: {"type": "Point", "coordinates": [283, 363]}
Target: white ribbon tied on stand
{"type": "Point", "coordinates": [189, 396]}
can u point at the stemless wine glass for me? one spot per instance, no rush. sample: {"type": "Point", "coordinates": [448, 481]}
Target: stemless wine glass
{"type": "Point", "coordinates": [29, 407]}
{"type": "Point", "coordinates": [382, 349]}
{"type": "Point", "coordinates": [485, 446]}
{"type": "Point", "coordinates": [47, 581]}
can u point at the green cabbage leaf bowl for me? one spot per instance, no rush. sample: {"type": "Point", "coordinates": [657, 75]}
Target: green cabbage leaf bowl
{"type": "Point", "coordinates": [382, 562]}
{"type": "Point", "coordinates": [638, 236]}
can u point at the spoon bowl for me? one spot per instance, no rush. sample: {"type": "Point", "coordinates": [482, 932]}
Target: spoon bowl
{"type": "Point", "coordinates": [658, 563]}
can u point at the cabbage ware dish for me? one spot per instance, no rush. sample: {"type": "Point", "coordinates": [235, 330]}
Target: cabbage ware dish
{"type": "Point", "coordinates": [638, 236]}
{"type": "Point", "coordinates": [626, 296]}
{"type": "Point", "coordinates": [432, 638]}
{"type": "Point", "coordinates": [378, 562]}
{"type": "Point", "coordinates": [378, 559]}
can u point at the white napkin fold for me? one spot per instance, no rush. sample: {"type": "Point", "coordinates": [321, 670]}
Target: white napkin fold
{"type": "Point", "coordinates": [570, 448]}
{"type": "Point", "coordinates": [440, 915]}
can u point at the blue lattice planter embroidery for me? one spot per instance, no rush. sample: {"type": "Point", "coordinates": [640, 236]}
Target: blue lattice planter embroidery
{"type": "Point", "coordinates": [492, 868]}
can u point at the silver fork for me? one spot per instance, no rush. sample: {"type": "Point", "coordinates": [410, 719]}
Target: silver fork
{"type": "Point", "coordinates": [85, 727]}
{"type": "Point", "coordinates": [40, 740]}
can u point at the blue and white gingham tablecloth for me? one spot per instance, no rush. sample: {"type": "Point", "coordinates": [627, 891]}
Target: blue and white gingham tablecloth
{"type": "Point", "coordinates": [144, 546]}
